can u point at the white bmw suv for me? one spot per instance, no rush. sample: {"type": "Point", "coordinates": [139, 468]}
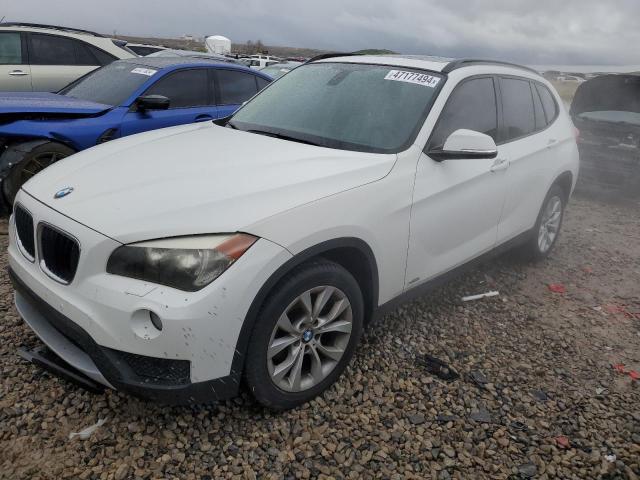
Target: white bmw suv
{"type": "Point", "coordinates": [174, 263]}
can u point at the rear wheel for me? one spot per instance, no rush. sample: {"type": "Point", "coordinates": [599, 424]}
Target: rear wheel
{"type": "Point", "coordinates": [547, 229]}
{"type": "Point", "coordinates": [33, 162]}
{"type": "Point", "coordinates": [305, 335]}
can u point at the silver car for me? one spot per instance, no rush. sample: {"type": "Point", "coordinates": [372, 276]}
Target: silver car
{"type": "Point", "coordinates": [45, 58]}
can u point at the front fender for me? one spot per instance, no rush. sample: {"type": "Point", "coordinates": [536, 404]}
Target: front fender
{"type": "Point", "coordinates": [14, 154]}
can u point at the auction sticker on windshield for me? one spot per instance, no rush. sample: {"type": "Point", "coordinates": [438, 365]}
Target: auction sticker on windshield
{"type": "Point", "coordinates": [144, 71]}
{"type": "Point", "coordinates": [412, 77]}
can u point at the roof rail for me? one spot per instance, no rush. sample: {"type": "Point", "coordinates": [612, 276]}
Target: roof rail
{"type": "Point", "coordinates": [51, 27]}
{"type": "Point", "coordinates": [331, 55]}
{"type": "Point", "coordinates": [468, 62]}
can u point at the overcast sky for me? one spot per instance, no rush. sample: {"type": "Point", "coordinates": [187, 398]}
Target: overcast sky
{"type": "Point", "coordinates": [533, 32]}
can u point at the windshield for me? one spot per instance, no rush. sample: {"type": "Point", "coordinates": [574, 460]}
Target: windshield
{"type": "Point", "coordinates": [361, 107]}
{"type": "Point", "coordinates": [110, 85]}
{"type": "Point", "coordinates": [278, 70]}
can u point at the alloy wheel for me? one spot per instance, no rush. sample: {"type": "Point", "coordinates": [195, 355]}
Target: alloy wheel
{"type": "Point", "coordinates": [550, 223]}
{"type": "Point", "coordinates": [309, 339]}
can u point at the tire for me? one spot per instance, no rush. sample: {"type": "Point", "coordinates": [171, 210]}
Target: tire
{"type": "Point", "coordinates": [536, 249]}
{"type": "Point", "coordinates": [33, 162]}
{"type": "Point", "coordinates": [270, 381]}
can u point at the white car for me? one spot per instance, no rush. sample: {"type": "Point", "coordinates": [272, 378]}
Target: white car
{"type": "Point", "coordinates": [172, 264]}
{"type": "Point", "coordinates": [46, 58]}
{"type": "Point", "coordinates": [261, 61]}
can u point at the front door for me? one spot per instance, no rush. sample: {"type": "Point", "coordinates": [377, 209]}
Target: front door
{"type": "Point", "coordinates": [457, 204]}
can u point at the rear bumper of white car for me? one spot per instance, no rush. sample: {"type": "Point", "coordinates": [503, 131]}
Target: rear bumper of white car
{"type": "Point", "coordinates": [99, 323]}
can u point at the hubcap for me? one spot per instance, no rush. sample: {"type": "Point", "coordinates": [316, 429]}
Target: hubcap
{"type": "Point", "coordinates": [550, 223]}
{"type": "Point", "coordinates": [309, 339]}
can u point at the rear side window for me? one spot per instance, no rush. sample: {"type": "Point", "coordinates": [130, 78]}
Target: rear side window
{"type": "Point", "coordinates": [52, 50]}
{"type": "Point", "coordinates": [517, 108]}
{"type": "Point", "coordinates": [472, 105]}
{"type": "Point", "coordinates": [548, 103]}
{"type": "Point", "coordinates": [184, 89]}
{"type": "Point", "coordinates": [236, 87]}
{"type": "Point", "coordinates": [10, 48]}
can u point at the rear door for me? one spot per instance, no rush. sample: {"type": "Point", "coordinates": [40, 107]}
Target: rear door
{"type": "Point", "coordinates": [191, 97]}
{"type": "Point", "coordinates": [234, 88]}
{"type": "Point", "coordinates": [15, 73]}
{"type": "Point", "coordinates": [529, 144]}
{"type": "Point", "coordinates": [57, 61]}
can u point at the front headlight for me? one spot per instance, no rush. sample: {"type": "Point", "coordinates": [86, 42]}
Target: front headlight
{"type": "Point", "coordinates": [185, 263]}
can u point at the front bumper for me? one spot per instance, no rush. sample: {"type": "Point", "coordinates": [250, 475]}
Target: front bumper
{"type": "Point", "coordinates": [97, 322]}
{"type": "Point", "coordinates": [162, 380]}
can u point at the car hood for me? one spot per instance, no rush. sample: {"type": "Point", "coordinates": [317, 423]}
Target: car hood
{"type": "Point", "coordinates": [608, 93]}
{"type": "Point", "coordinates": [196, 179]}
{"type": "Point", "coordinates": [16, 103]}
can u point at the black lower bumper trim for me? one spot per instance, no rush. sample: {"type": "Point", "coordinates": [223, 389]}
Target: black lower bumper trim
{"type": "Point", "coordinates": [116, 372]}
{"type": "Point", "coordinates": [48, 360]}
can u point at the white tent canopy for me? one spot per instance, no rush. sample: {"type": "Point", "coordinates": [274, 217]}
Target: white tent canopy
{"type": "Point", "coordinates": [218, 44]}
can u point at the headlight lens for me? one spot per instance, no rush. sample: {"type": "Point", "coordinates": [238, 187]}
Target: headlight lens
{"type": "Point", "coordinates": [185, 263]}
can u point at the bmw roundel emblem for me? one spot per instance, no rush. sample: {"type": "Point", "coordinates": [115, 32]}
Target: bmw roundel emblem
{"type": "Point", "coordinates": [63, 193]}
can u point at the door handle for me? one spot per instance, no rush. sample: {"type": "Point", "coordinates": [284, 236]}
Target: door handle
{"type": "Point", "coordinates": [551, 142]}
{"type": "Point", "coordinates": [18, 73]}
{"type": "Point", "coordinates": [203, 118]}
{"type": "Point", "coordinates": [500, 164]}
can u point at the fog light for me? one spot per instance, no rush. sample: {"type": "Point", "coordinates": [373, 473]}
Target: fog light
{"type": "Point", "coordinates": [155, 320]}
{"type": "Point", "coordinates": [146, 324]}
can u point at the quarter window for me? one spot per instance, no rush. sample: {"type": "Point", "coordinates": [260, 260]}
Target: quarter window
{"type": "Point", "coordinates": [541, 121]}
{"type": "Point", "coordinates": [261, 82]}
{"type": "Point", "coordinates": [10, 48]}
{"type": "Point", "coordinates": [517, 108]}
{"type": "Point", "coordinates": [236, 87]}
{"type": "Point", "coordinates": [186, 88]}
{"type": "Point", "coordinates": [548, 103]}
{"type": "Point", "coordinates": [472, 106]}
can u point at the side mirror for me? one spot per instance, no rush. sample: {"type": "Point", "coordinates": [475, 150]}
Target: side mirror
{"type": "Point", "coordinates": [152, 102]}
{"type": "Point", "coordinates": [465, 144]}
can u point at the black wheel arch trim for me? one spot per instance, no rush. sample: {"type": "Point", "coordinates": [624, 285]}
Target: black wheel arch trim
{"type": "Point", "coordinates": [237, 366]}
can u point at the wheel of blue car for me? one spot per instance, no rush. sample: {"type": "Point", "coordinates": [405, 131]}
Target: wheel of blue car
{"type": "Point", "coordinates": [30, 162]}
{"type": "Point", "coordinates": [305, 335]}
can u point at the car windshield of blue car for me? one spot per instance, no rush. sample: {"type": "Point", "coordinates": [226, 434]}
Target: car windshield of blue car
{"type": "Point", "coordinates": [349, 106]}
{"type": "Point", "coordinates": [110, 85]}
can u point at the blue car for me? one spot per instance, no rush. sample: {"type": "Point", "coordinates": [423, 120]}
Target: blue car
{"type": "Point", "coordinates": [120, 99]}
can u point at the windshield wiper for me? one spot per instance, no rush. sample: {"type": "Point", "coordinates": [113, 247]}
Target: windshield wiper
{"type": "Point", "coordinates": [282, 136]}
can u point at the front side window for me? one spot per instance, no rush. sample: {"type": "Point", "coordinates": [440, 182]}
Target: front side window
{"type": "Point", "coordinates": [10, 48]}
{"type": "Point", "coordinates": [517, 108]}
{"type": "Point", "coordinates": [110, 85]}
{"type": "Point", "coordinates": [52, 50]}
{"type": "Point", "coordinates": [359, 107]}
{"type": "Point", "coordinates": [236, 87]}
{"type": "Point", "coordinates": [184, 89]}
{"type": "Point", "coordinates": [472, 106]}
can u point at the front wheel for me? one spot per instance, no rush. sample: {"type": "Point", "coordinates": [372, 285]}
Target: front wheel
{"type": "Point", "coordinates": [305, 335]}
{"type": "Point", "coordinates": [548, 224]}
{"type": "Point", "coordinates": [33, 162]}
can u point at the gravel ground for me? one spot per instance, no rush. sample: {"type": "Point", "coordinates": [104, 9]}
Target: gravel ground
{"type": "Point", "coordinates": [537, 395]}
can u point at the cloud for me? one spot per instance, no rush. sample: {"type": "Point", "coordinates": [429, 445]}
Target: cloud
{"type": "Point", "coordinates": [541, 31]}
